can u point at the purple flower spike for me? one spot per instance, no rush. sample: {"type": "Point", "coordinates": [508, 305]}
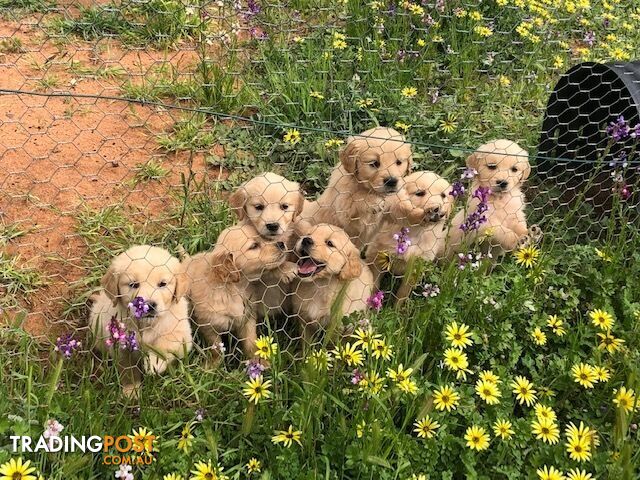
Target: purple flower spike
{"type": "Point", "coordinates": [357, 377]}
{"type": "Point", "coordinates": [477, 217]}
{"type": "Point", "coordinates": [66, 345]}
{"type": "Point", "coordinates": [119, 337]}
{"type": "Point", "coordinates": [590, 38]}
{"type": "Point", "coordinates": [254, 369]}
{"type": "Point", "coordinates": [619, 130]}
{"type": "Point", "coordinates": [402, 241]}
{"type": "Point", "coordinates": [375, 300]}
{"type": "Point", "coordinates": [457, 190]}
{"type": "Point", "coordinates": [139, 307]}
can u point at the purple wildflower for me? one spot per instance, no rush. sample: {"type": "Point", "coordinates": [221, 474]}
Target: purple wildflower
{"type": "Point", "coordinates": [590, 38]}
{"type": "Point", "coordinates": [619, 130]}
{"type": "Point", "coordinates": [457, 190]}
{"type": "Point", "coordinates": [253, 8]}
{"type": "Point", "coordinates": [119, 337]}
{"type": "Point", "coordinates": [131, 342]}
{"type": "Point", "coordinates": [356, 377]}
{"type": "Point", "coordinates": [258, 34]}
{"type": "Point", "coordinates": [477, 217]}
{"type": "Point", "coordinates": [625, 192]}
{"type": "Point", "coordinates": [200, 414]}
{"type": "Point", "coordinates": [254, 368]}
{"type": "Point", "coordinates": [139, 307]}
{"type": "Point", "coordinates": [428, 20]}
{"type": "Point", "coordinates": [402, 241]}
{"type": "Point", "coordinates": [375, 300]}
{"type": "Point", "coordinates": [66, 345]}
{"type": "Point", "coordinates": [471, 259]}
{"type": "Point", "coordinates": [636, 131]}
{"type": "Point", "coordinates": [430, 290]}
{"type": "Point", "coordinates": [468, 174]}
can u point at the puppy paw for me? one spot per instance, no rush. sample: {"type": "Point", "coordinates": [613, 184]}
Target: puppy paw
{"type": "Point", "coordinates": [155, 364]}
{"type": "Point", "coordinates": [288, 272]}
{"type": "Point", "coordinates": [535, 233]}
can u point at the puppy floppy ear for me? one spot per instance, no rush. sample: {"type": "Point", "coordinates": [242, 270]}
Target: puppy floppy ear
{"type": "Point", "coordinates": [527, 166]}
{"type": "Point", "coordinates": [222, 268]}
{"type": "Point", "coordinates": [110, 284]}
{"type": "Point", "coordinates": [183, 283]}
{"type": "Point", "coordinates": [299, 205]}
{"type": "Point", "coordinates": [237, 201]}
{"type": "Point", "coordinates": [353, 268]}
{"type": "Point", "coordinates": [473, 160]}
{"type": "Point", "coordinates": [350, 153]}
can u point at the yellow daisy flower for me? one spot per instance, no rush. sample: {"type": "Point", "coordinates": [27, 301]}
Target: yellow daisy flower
{"type": "Point", "coordinates": [333, 142]}
{"type": "Point", "coordinates": [527, 256]}
{"type": "Point", "coordinates": [266, 346]}
{"type": "Point", "coordinates": [400, 374]}
{"type": "Point", "coordinates": [256, 389]}
{"type": "Point", "coordinates": [523, 388]}
{"type": "Point", "coordinates": [603, 255]}
{"type": "Point", "coordinates": [455, 359]}
{"type": "Point", "coordinates": [584, 374]}
{"type": "Point", "coordinates": [503, 429]}
{"type": "Point", "coordinates": [556, 325]}
{"type": "Point", "coordinates": [625, 399]}
{"type": "Point", "coordinates": [603, 374]}
{"type": "Point", "coordinates": [609, 343]}
{"type": "Point", "coordinates": [205, 471]}
{"type": "Point", "coordinates": [409, 92]}
{"type": "Point", "coordinates": [538, 336]}
{"type": "Point", "coordinates": [372, 383]}
{"type": "Point", "coordinates": [254, 466]}
{"type": "Point", "coordinates": [488, 392]}
{"type": "Point", "coordinates": [601, 319]}
{"type": "Point", "coordinates": [446, 398]}
{"type": "Point", "coordinates": [16, 470]}
{"type": "Point", "coordinates": [546, 430]}
{"type": "Point", "coordinates": [459, 336]}
{"type": "Point", "coordinates": [408, 386]}
{"type": "Point", "coordinates": [381, 350]}
{"type": "Point", "coordinates": [549, 473]}
{"type": "Point", "coordinates": [504, 81]}
{"type": "Point", "coordinates": [186, 439]}
{"type": "Point", "coordinates": [577, 474]}
{"type": "Point", "coordinates": [287, 437]}
{"type": "Point", "coordinates": [146, 438]}
{"type": "Point", "coordinates": [449, 125]}
{"type": "Point", "coordinates": [426, 427]}
{"type": "Point", "coordinates": [477, 438]}
{"type": "Point", "coordinates": [316, 94]}
{"type": "Point", "coordinates": [364, 338]}
{"type": "Point", "coordinates": [579, 449]}
{"type": "Point", "coordinates": [292, 136]}
{"type": "Point", "coordinates": [402, 126]}
{"type": "Point", "coordinates": [544, 412]}
{"type": "Point", "coordinates": [349, 354]}
{"type": "Point", "coordinates": [173, 476]}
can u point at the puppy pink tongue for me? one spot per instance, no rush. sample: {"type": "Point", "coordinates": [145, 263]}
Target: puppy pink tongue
{"type": "Point", "coordinates": [307, 267]}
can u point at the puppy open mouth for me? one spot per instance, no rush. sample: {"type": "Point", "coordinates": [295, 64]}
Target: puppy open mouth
{"type": "Point", "coordinates": [307, 267]}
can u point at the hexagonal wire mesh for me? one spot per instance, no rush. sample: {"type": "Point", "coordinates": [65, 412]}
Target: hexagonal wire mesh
{"type": "Point", "coordinates": [153, 123]}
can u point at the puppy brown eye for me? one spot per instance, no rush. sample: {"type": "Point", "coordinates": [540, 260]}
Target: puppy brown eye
{"type": "Point", "coordinates": [443, 195]}
{"type": "Point", "coordinates": [330, 244]}
{"type": "Point", "coordinates": [375, 164]}
{"type": "Point", "coordinates": [398, 162]}
{"type": "Point", "coordinates": [134, 285]}
{"type": "Point", "coordinates": [420, 193]}
{"type": "Point", "coordinates": [284, 206]}
{"type": "Point", "coordinates": [514, 169]}
{"type": "Point", "coordinates": [492, 167]}
{"type": "Point", "coordinates": [162, 284]}
{"type": "Point", "coordinates": [259, 207]}
{"type": "Point", "coordinates": [254, 246]}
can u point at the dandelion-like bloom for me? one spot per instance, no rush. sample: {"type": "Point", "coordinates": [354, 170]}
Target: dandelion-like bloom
{"type": "Point", "coordinates": [609, 343]}
{"type": "Point", "coordinates": [602, 319]}
{"type": "Point", "coordinates": [426, 427]}
{"type": "Point", "coordinates": [503, 429]}
{"type": "Point", "coordinates": [349, 354]}
{"type": "Point", "coordinates": [538, 336]}
{"type": "Point", "coordinates": [556, 325]}
{"type": "Point", "coordinates": [257, 389]}
{"type": "Point", "coordinates": [375, 300]}
{"type": "Point", "coordinates": [400, 374]}
{"type": "Point", "coordinates": [504, 81]}
{"type": "Point", "coordinates": [253, 466]}
{"type": "Point", "coordinates": [266, 347]}
{"type": "Point", "coordinates": [602, 373]}
{"type": "Point", "coordinates": [381, 349]}
{"type": "Point", "coordinates": [523, 388]}
{"type": "Point", "coordinates": [543, 412]}
{"type": "Point", "coordinates": [549, 473]}
{"type": "Point", "coordinates": [546, 430]}
{"type": "Point", "coordinates": [579, 449]}
{"type": "Point", "coordinates": [409, 92]}
{"type": "Point", "coordinates": [455, 359]}
{"type": "Point", "coordinates": [403, 242]}
{"type": "Point", "coordinates": [287, 437]}
{"type": "Point", "coordinates": [577, 474]}
{"type": "Point", "coordinates": [489, 376]}
{"type": "Point", "coordinates": [66, 345]}
{"type": "Point", "coordinates": [584, 374]}
{"type": "Point", "coordinates": [446, 398]}
{"type": "Point", "coordinates": [459, 336]}
{"type": "Point", "coordinates": [625, 399]}
{"type": "Point", "coordinates": [488, 392]}
{"type": "Point", "coordinates": [477, 438]}
{"type": "Point", "coordinates": [527, 256]}
{"type": "Point", "coordinates": [16, 469]}
{"type": "Point", "coordinates": [292, 136]}
{"type": "Point", "coordinates": [186, 439]}
{"type": "Point", "coordinates": [476, 218]}
{"type": "Point", "coordinates": [139, 307]}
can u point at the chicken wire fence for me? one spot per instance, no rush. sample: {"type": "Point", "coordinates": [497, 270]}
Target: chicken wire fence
{"type": "Point", "coordinates": [138, 122]}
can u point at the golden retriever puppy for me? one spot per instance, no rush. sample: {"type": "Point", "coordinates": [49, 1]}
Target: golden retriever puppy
{"type": "Point", "coordinates": [502, 166]}
{"type": "Point", "coordinates": [415, 225]}
{"type": "Point", "coordinates": [372, 166]}
{"type": "Point", "coordinates": [328, 262]}
{"type": "Point", "coordinates": [154, 278]}
{"type": "Point", "coordinates": [270, 203]}
{"type": "Point", "coordinates": [226, 284]}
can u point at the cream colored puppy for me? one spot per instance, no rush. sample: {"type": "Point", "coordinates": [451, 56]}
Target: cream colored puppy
{"type": "Point", "coordinates": [163, 332]}
{"type": "Point", "coordinates": [502, 166]}
{"type": "Point", "coordinates": [422, 206]}
{"type": "Point", "coordinates": [328, 262]}
{"type": "Point", "coordinates": [372, 166]}
{"type": "Point", "coordinates": [226, 284]}
{"type": "Point", "coordinates": [270, 203]}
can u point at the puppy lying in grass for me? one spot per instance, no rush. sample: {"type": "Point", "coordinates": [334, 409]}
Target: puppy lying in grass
{"type": "Point", "coordinates": [415, 225]}
{"type": "Point", "coordinates": [329, 270]}
{"type": "Point", "coordinates": [495, 215]}
{"type": "Point", "coordinates": [226, 284]}
{"type": "Point", "coordinates": [371, 168]}
{"type": "Point", "coordinates": [141, 310]}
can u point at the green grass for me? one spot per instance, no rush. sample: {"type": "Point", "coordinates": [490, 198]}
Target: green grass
{"type": "Point", "coordinates": [150, 171]}
{"type": "Point", "coordinates": [11, 45]}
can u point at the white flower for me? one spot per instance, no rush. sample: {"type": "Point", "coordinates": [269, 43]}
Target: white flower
{"type": "Point", "coordinates": [124, 472]}
{"type": "Point", "coordinates": [52, 428]}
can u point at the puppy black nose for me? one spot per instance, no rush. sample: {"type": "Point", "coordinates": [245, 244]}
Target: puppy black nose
{"type": "Point", "coordinates": [503, 184]}
{"type": "Point", "coordinates": [273, 227]}
{"type": "Point", "coordinates": [391, 182]}
{"type": "Point", "coordinates": [152, 306]}
{"type": "Point", "coordinates": [307, 241]}
{"type": "Point", "coordinates": [435, 209]}
{"type": "Point", "coordinates": [280, 245]}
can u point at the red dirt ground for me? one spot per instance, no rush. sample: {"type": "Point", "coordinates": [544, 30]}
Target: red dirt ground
{"type": "Point", "coordinates": [58, 155]}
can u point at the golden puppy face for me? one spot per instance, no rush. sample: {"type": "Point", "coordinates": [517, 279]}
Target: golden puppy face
{"type": "Point", "coordinates": [326, 251]}
{"type": "Point", "coordinates": [379, 158]}
{"type": "Point", "coordinates": [242, 253]}
{"type": "Point", "coordinates": [148, 272]}
{"type": "Point", "coordinates": [424, 198]}
{"type": "Point", "coordinates": [502, 165]}
{"type": "Point", "coordinates": [270, 202]}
